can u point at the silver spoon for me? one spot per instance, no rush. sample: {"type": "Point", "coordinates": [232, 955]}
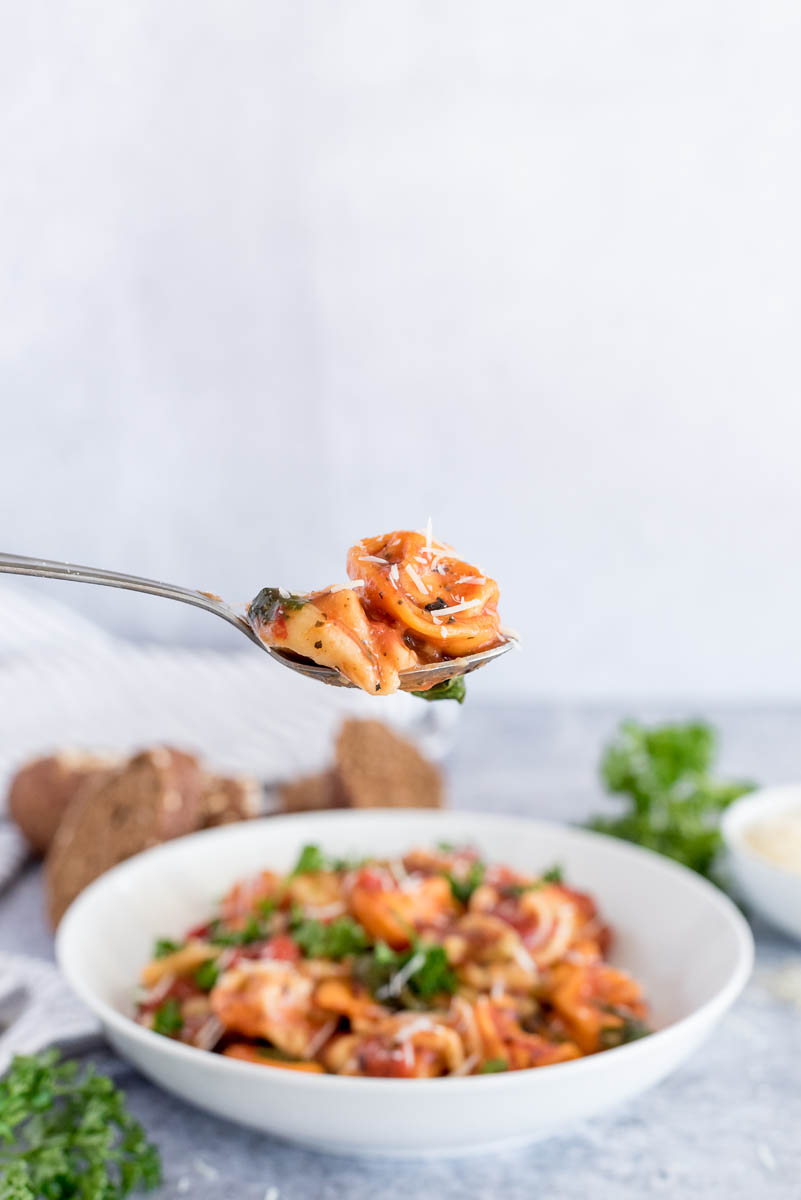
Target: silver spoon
{"type": "Point", "coordinates": [420, 679]}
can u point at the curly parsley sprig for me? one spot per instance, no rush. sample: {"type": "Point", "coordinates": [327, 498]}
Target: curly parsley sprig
{"type": "Point", "coordinates": [673, 800]}
{"type": "Point", "coordinates": [65, 1133]}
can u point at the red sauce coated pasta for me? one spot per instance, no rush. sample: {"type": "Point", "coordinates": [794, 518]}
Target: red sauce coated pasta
{"type": "Point", "coordinates": [432, 963]}
{"type": "Point", "coordinates": [411, 601]}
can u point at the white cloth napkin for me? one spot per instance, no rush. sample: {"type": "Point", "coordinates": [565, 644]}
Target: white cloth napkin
{"type": "Point", "coordinates": [38, 1010]}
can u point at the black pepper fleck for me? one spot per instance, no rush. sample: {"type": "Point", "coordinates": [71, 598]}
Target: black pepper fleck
{"type": "Point", "coordinates": [318, 645]}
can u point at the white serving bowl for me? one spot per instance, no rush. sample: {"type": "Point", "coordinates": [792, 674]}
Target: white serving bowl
{"type": "Point", "coordinates": [676, 933]}
{"type": "Point", "coordinates": [774, 891]}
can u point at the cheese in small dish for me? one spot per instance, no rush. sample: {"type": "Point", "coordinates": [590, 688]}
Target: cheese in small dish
{"type": "Point", "coordinates": [777, 839]}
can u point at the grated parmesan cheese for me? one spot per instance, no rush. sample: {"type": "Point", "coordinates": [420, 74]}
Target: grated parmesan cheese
{"type": "Point", "coordinates": [323, 912]}
{"type": "Point", "coordinates": [461, 607]}
{"type": "Point", "coordinates": [401, 977]}
{"type": "Point", "coordinates": [411, 571]}
{"type": "Point", "coordinates": [320, 1038]}
{"type": "Point", "coordinates": [778, 840]}
{"type": "Point", "coordinates": [372, 558]}
{"type": "Point", "coordinates": [524, 959]}
{"type": "Point", "coordinates": [351, 585]}
{"type": "Point", "coordinates": [415, 1025]}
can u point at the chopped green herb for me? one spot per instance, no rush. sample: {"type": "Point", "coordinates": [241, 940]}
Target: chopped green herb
{"type": "Point", "coordinates": [449, 689]}
{"type": "Point", "coordinates": [493, 1066]}
{"type": "Point", "coordinates": [165, 946]}
{"type": "Point", "coordinates": [335, 940]}
{"type": "Point", "coordinates": [380, 969]}
{"type": "Point", "coordinates": [516, 890]}
{"type": "Point", "coordinates": [270, 600]}
{"type": "Point", "coordinates": [274, 1052]}
{"type": "Point", "coordinates": [463, 889]}
{"type": "Point", "coordinates": [435, 975]}
{"type": "Point", "coordinates": [267, 906]}
{"type": "Point", "coordinates": [252, 931]}
{"type": "Point", "coordinates": [65, 1132]}
{"type": "Point", "coordinates": [554, 874]}
{"type": "Point", "coordinates": [347, 864]}
{"type": "Point", "coordinates": [167, 1018]}
{"type": "Point", "coordinates": [310, 860]}
{"type": "Point", "coordinates": [631, 1030]}
{"type": "Point", "coordinates": [206, 975]}
{"type": "Point", "coordinates": [673, 801]}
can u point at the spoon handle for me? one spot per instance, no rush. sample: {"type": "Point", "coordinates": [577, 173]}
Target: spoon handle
{"type": "Point", "coordinates": [45, 568]}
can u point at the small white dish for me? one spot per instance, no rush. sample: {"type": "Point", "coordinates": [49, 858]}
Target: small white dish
{"type": "Point", "coordinates": [674, 931]}
{"type": "Point", "coordinates": [774, 891]}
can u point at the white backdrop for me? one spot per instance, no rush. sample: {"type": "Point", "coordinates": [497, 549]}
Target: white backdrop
{"type": "Point", "coordinates": [274, 275]}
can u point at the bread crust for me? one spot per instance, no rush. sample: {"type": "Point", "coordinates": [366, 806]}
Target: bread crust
{"type": "Point", "coordinates": [42, 789]}
{"type": "Point", "coordinates": [117, 813]}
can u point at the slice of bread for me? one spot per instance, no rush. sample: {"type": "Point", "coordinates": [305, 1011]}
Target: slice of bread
{"type": "Point", "coordinates": [227, 799]}
{"type": "Point", "coordinates": [375, 768]}
{"type": "Point", "coordinates": [154, 797]}
{"type": "Point", "coordinates": [42, 789]}
{"type": "Point", "coordinates": [310, 794]}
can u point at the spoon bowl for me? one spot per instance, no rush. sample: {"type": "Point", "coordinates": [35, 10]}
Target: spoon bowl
{"type": "Point", "coordinates": [419, 679]}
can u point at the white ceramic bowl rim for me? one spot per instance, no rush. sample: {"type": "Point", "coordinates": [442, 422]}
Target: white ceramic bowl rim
{"type": "Point", "coordinates": [117, 1020]}
{"type": "Point", "coordinates": [751, 810]}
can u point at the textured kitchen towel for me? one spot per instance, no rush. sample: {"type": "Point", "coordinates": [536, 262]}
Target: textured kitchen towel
{"type": "Point", "coordinates": [38, 1010]}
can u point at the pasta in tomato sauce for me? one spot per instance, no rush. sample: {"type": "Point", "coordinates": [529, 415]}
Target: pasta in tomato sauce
{"type": "Point", "coordinates": [410, 601]}
{"type": "Point", "coordinates": [434, 963]}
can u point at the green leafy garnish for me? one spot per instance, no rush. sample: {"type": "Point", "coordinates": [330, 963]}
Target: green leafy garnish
{"type": "Point", "coordinates": [384, 972]}
{"type": "Point", "coordinates": [167, 1018]}
{"type": "Point", "coordinates": [631, 1029]}
{"type": "Point", "coordinates": [206, 975]}
{"type": "Point", "coordinates": [673, 800]}
{"type": "Point", "coordinates": [554, 874]}
{"type": "Point", "coordinates": [165, 946]}
{"type": "Point", "coordinates": [434, 975]}
{"type": "Point", "coordinates": [492, 1066]}
{"type": "Point", "coordinates": [270, 600]}
{"type": "Point", "coordinates": [347, 864]}
{"type": "Point", "coordinates": [65, 1132]}
{"type": "Point", "coordinates": [335, 940]}
{"type": "Point", "coordinates": [310, 860]}
{"type": "Point", "coordinates": [462, 889]}
{"type": "Point", "coordinates": [449, 689]}
{"type": "Point", "coordinates": [254, 930]}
